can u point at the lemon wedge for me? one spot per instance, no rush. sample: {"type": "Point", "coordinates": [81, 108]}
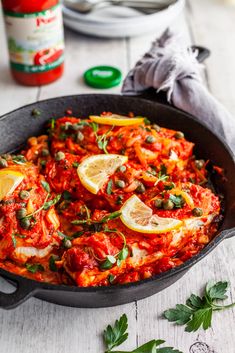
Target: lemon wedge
{"type": "Point", "coordinates": [117, 120]}
{"type": "Point", "coordinates": [9, 180]}
{"type": "Point", "coordinates": [94, 171]}
{"type": "Point", "coordinates": [139, 217]}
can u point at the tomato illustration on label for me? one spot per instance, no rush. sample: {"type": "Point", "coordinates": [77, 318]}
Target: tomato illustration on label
{"type": "Point", "coordinates": [47, 56]}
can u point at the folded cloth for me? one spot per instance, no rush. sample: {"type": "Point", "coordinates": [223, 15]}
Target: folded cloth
{"type": "Point", "coordinates": [172, 67]}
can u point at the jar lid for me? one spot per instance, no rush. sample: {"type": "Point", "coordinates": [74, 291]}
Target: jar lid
{"type": "Point", "coordinates": [103, 77]}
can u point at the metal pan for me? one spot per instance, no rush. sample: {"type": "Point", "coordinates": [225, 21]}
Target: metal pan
{"type": "Point", "coordinates": [17, 126]}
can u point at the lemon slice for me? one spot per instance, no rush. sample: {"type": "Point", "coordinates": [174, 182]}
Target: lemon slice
{"type": "Point", "coordinates": [114, 119]}
{"type": "Point", "coordinates": [94, 171]}
{"type": "Point", "coordinates": [9, 180]}
{"type": "Point", "coordinates": [139, 217]}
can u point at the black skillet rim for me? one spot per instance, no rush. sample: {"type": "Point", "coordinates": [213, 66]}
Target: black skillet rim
{"type": "Point", "coordinates": [220, 234]}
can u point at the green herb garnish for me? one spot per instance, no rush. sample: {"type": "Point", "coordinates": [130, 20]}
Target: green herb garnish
{"type": "Point", "coordinates": [46, 186]}
{"type": "Point", "coordinates": [105, 219]}
{"type": "Point", "coordinates": [161, 177]}
{"type": "Point", "coordinates": [110, 216]}
{"type": "Point", "coordinates": [108, 263]}
{"type": "Point", "coordinates": [102, 140]}
{"type": "Point", "coordinates": [33, 268]}
{"type": "Point", "coordinates": [52, 202]}
{"type": "Point", "coordinates": [146, 121]}
{"type": "Point", "coordinates": [177, 200]}
{"type": "Point", "coordinates": [75, 164]}
{"type": "Point", "coordinates": [52, 124]}
{"type": "Point", "coordinates": [111, 278]}
{"type": "Point", "coordinates": [67, 195]}
{"type": "Point", "coordinates": [52, 264]}
{"type": "Point", "coordinates": [46, 205]}
{"type": "Point", "coordinates": [120, 256]}
{"type": "Point", "coordinates": [13, 237]}
{"type": "Point", "coordinates": [13, 240]}
{"type": "Point", "coordinates": [198, 311]}
{"type": "Point", "coordinates": [109, 188]}
{"type": "Point", "coordinates": [20, 159]}
{"type": "Point", "coordinates": [115, 335]}
{"type": "Point", "coordinates": [64, 236]}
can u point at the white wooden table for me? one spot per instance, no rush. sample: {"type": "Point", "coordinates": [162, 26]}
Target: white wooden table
{"type": "Point", "coordinates": [40, 327]}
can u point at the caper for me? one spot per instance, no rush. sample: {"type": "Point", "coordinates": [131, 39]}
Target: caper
{"type": "Point", "coordinates": [59, 156]}
{"type": "Point", "coordinates": [158, 203]}
{"type": "Point", "coordinates": [122, 169]}
{"type": "Point", "coordinates": [197, 212]}
{"type": "Point", "coordinates": [36, 112]}
{"type": "Point", "coordinates": [80, 136]}
{"type": "Point", "coordinates": [150, 139]}
{"type": "Point", "coordinates": [156, 127]}
{"type": "Point", "coordinates": [43, 163]}
{"type": "Point", "coordinates": [25, 223]}
{"type": "Point", "coordinates": [120, 184]}
{"type": "Point", "coordinates": [67, 243]}
{"type": "Point", "coordinates": [3, 163]}
{"type": "Point", "coordinates": [21, 213]}
{"type": "Point", "coordinates": [168, 205]}
{"type": "Point", "coordinates": [45, 152]}
{"type": "Point", "coordinates": [179, 135]}
{"type": "Point", "coordinates": [140, 188]}
{"type": "Point", "coordinates": [24, 194]}
{"type": "Point", "coordinates": [199, 163]}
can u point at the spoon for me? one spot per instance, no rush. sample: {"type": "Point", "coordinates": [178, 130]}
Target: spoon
{"type": "Point", "coordinates": [149, 6]}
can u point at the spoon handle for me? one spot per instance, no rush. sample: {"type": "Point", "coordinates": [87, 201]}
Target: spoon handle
{"type": "Point", "coordinates": [141, 4]}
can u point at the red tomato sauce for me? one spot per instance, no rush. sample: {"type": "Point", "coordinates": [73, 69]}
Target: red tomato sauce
{"type": "Point", "coordinates": [66, 237]}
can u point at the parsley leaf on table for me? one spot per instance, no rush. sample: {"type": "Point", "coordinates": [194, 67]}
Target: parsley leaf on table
{"type": "Point", "coordinates": [198, 311]}
{"type": "Point", "coordinates": [116, 335]}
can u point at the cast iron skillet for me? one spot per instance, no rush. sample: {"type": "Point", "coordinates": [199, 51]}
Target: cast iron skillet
{"type": "Point", "coordinates": [17, 126]}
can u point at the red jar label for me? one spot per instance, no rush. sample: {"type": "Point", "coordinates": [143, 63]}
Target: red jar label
{"type": "Point", "coordinates": [35, 40]}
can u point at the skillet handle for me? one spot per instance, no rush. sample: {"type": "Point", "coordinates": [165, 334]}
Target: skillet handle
{"type": "Point", "coordinates": [25, 289]}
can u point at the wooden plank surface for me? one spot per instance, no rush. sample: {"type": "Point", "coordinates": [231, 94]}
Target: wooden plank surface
{"type": "Point", "coordinates": [38, 326]}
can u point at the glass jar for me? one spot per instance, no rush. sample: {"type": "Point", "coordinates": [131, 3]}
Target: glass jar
{"type": "Point", "coordinates": [35, 40]}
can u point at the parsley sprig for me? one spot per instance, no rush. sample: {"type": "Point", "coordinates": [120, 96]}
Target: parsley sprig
{"type": "Point", "coordinates": [162, 175]}
{"type": "Point", "coordinates": [102, 140]}
{"type": "Point", "coordinates": [105, 219]}
{"type": "Point", "coordinates": [198, 311]}
{"type": "Point", "coordinates": [13, 237]}
{"type": "Point", "coordinates": [115, 335]}
{"type": "Point", "coordinates": [46, 204]}
{"type": "Point", "coordinates": [120, 256]}
{"type": "Point", "coordinates": [33, 268]}
{"type": "Point", "coordinates": [100, 225]}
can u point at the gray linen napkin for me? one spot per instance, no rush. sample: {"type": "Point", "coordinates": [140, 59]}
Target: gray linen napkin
{"type": "Point", "coordinates": [171, 67]}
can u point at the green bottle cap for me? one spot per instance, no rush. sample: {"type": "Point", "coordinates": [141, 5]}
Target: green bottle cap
{"type": "Point", "coordinates": [103, 77]}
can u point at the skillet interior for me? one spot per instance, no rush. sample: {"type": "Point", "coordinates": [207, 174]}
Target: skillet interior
{"type": "Point", "coordinates": [17, 126]}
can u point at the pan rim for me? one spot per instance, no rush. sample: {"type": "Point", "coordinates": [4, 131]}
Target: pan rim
{"type": "Point", "coordinates": [220, 235]}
